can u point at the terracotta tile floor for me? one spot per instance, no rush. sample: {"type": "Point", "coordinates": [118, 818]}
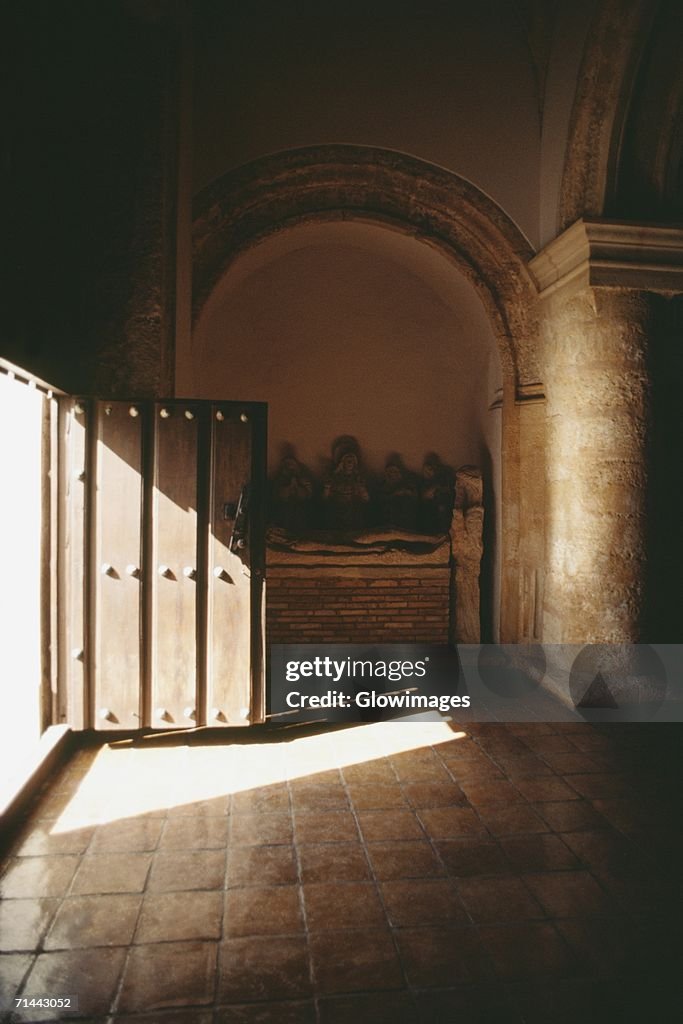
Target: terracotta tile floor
{"type": "Point", "coordinates": [387, 872]}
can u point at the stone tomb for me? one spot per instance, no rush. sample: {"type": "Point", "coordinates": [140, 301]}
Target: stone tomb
{"type": "Point", "coordinates": [411, 576]}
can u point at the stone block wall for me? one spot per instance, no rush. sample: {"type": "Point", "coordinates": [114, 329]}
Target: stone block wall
{"type": "Point", "coordinates": [370, 605]}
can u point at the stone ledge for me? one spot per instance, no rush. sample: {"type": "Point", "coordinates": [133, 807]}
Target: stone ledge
{"type": "Point", "coordinates": [601, 253]}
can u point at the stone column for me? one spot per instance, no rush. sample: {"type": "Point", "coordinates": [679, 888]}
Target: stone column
{"type": "Point", "coordinates": [598, 390]}
{"type": "Point", "coordinates": [596, 285]}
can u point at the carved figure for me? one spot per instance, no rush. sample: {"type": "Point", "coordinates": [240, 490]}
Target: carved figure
{"type": "Point", "coordinates": [345, 493]}
{"type": "Point", "coordinates": [467, 549]}
{"type": "Point", "coordinates": [398, 496]}
{"type": "Point", "coordinates": [436, 496]}
{"type": "Point", "coordinates": [291, 495]}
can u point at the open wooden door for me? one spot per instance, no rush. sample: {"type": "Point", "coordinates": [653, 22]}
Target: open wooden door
{"type": "Point", "coordinates": [161, 563]}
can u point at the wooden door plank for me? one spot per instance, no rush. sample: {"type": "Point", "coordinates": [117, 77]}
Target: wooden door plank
{"type": "Point", "coordinates": [229, 583]}
{"type": "Point", "coordinates": [117, 566]}
{"type": "Point", "coordinates": [174, 567]}
{"type": "Point", "coordinates": [72, 571]}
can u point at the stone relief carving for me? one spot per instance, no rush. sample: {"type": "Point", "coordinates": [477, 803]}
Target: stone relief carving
{"type": "Point", "coordinates": [467, 548]}
{"type": "Point", "coordinates": [436, 495]}
{"type": "Point", "coordinates": [399, 496]}
{"type": "Point", "coordinates": [291, 495]}
{"type": "Point", "coordinates": [349, 511]}
{"type": "Point", "coordinates": [399, 519]}
{"type": "Point", "coordinates": [345, 493]}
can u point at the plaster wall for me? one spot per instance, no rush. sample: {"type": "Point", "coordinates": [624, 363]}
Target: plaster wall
{"type": "Point", "coordinates": [450, 83]}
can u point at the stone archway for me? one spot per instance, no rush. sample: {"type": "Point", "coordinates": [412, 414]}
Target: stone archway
{"type": "Point", "coordinates": [444, 211]}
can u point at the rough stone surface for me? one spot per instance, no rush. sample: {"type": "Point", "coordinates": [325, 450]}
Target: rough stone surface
{"type": "Point", "coordinates": [467, 548]}
{"type": "Point", "coordinates": [596, 500]}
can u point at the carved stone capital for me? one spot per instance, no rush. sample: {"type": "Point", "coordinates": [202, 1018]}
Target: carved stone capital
{"type": "Point", "coordinates": [601, 253]}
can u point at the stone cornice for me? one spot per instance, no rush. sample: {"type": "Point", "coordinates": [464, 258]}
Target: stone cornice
{"type": "Point", "coordinates": [609, 254]}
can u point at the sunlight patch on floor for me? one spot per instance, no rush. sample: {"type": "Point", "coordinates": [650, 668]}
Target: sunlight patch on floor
{"type": "Point", "coordinates": [126, 781]}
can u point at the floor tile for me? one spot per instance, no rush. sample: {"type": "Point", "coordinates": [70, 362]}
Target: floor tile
{"type": "Point", "coordinates": [268, 910]}
{"type": "Point", "coordinates": [355, 961]}
{"type": "Point", "coordinates": [83, 921]}
{"type": "Point", "coordinates": [261, 865]}
{"type": "Point", "coordinates": [538, 853]}
{"type": "Point", "coordinates": [124, 836]}
{"type": "Point", "coordinates": [187, 869]}
{"type": "Point", "coordinates": [407, 859]}
{"type": "Point", "coordinates": [13, 969]}
{"type": "Point", "coordinates": [37, 876]}
{"type": "Point", "coordinates": [111, 873]}
{"type": "Point", "coordinates": [267, 1013]}
{"type": "Point", "coordinates": [543, 744]}
{"type": "Point", "coordinates": [523, 766]}
{"type": "Point", "coordinates": [413, 902]}
{"type": "Point", "coordinates": [261, 800]}
{"type": "Point", "coordinates": [433, 794]}
{"type": "Point", "coordinates": [508, 820]}
{"type": "Point", "coordinates": [605, 947]}
{"type": "Point", "coordinates": [215, 807]}
{"type": "Point", "coordinates": [201, 833]}
{"type": "Point", "coordinates": [23, 923]}
{"type": "Point", "coordinates": [590, 739]}
{"type": "Point", "coordinates": [192, 1016]}
{"type": "Point", "coordinates": [43, 839]}
{"type": "Point", "coordinates": [440, 957]}
{"type": "Point", "coordinates": [465, 857]}
{"type": "Point", "coordinates": [371, 773]}
{"type": "Point", "coordinates": [331, 827]}
{"type": "Point", "coordinates": [260, 829]}
{"type": "Point", "coordinates": [570, 816]}
{"type": "Point", "coordinates": [168, 974]}
{"type": "Point", "coordinates": [466, 1004]}
{"type": "Point", "coordinates": [451, 822]}
{"type": "Point", "coordinates": [601, 786]}
{"type": "Point", "coordinates": [490, 791]}
{"type": "Point", "coordinates": [263, 968]}
{"type": "Point", "coordinates": [179, 916]}
{"type": "Point", "coordinates": [475, 772]}
{"type": "Point", "coordinates": [333, 862]}
{"type": "Point", "coordinates": [318, 798]}
{"type": "Point", "coordinates": [380, 1008]}
{"type": "Point", "coordinates": [528, 949]}
{"type": "Point", "coordinates": [569, 762]}
{"type": "Point", "coordinates": [488, 900]}
{"type": "Point", "coordinates": [605, 850]}
{"type": "Point", "coordinates": [412, 769]}
{"type": "Point", "coordinates": [379, 826]}
{"type": "Point", "coordinates": [566, 1001]}
{"type": "Point", "coordinates": [570, 894]}
{"type": "Point", "coordinates": [85, 973]}
{"type": "Point", "coordinates": [545, 789]}
{"type": "Point", "coordinates": [331, 906]}
{"type": "Point", "coordinates": [462, 749]}
{"type": "Point", "coordinates": [378, 797]}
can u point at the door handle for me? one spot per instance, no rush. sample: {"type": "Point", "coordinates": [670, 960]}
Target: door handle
{"type": "Point", "coordinates": [240, 526]}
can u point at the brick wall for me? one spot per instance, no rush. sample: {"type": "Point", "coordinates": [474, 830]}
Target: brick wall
{"type": "Point", "coordinates": [314, 605]}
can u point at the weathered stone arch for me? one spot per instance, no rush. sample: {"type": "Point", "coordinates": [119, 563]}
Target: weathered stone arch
{"type": "Point", "coordinates": [617, 38]}
{"type": "Point", "coordinates": [340, 181]}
